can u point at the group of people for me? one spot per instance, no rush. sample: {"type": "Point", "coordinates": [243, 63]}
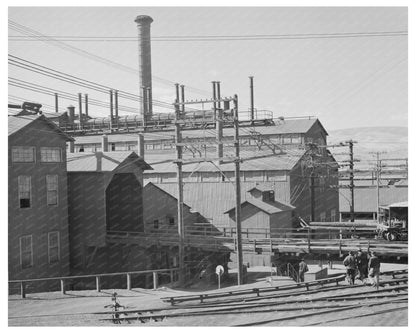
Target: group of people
{"type": "Point", "coordinates": [362, 267]}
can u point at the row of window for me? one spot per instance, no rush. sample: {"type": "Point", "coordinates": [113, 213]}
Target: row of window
{"type": "Point", "coordinates": [170, 220]}
{"type": "Point", "coordinates": [25, 190]}
{"type": "Point", "coordinates": [28, 154]}
{"type": "Point", "coordinates": [26, 249]}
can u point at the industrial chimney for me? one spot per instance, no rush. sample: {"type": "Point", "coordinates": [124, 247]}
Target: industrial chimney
{"type": "Point", "coordinates": [145, 64]}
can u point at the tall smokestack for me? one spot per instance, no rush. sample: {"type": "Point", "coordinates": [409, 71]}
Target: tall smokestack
{"type": "Point", "coordinates": [145, 61]}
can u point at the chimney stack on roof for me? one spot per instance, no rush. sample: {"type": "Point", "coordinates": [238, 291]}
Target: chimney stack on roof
{"type": "Point", "coordinates": [145, 63]}
{"type": "Point", "coordinates": [71, 113]}
{"type": "Point", "coordinates": [104, 143]}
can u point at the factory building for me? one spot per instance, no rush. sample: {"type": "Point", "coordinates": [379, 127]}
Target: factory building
{"type": "Point", "coordinates": [38, 206]}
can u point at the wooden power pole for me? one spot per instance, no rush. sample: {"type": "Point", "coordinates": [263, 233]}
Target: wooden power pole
{"type": "Point", "coordinates": [178, 141]}
{"type": "Point", "coordinates": [238, 193]}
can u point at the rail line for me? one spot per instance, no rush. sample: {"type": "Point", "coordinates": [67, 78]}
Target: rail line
{"type": "Point", "coordinates": [378, 297]}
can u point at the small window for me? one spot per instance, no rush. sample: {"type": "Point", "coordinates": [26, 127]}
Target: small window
{"type": "Point", "coordinates": [50, 154]}
{"type": "Point", "coordinates": [23, 154]}
{"type": "Point", "coordinates": [113, 147]}
{"type": "Point", "coordinates": [53, 246]}
{"type": "Point", "coordinates": [24, 187]}
{"type": "Point", "coordinates": [156, 224]}
{"type": "Point", "coordinates": [322, 217]}
{"type": "Point", "coordinates": [52, 190]}
{"type": "Point", "coordinates": [26, 251]}
{"type": "Point", "coordinates": [81, 149]}
{"type": "Point", "coordinates": [171, 220]}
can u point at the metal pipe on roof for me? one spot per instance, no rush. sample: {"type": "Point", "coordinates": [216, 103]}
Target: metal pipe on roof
{"type": "Point", "coordinates": [56, 102]}
{"type": "Point", "coordinates": [140, 145]}
{"type": "Point", "coordinates": [80, 109]}
{"type": "Point", "coordinates": [71, 113]}
{"type": "Point", "coordinates": [116, 105]}
{"type": "Point", "coordinates": [86, 104]}
{"type": "Point", "coordinates": [104, 143]}
{"type": "Point", "coordinates": [111, 108]}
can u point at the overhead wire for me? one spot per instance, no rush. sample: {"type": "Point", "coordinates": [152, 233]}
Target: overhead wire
{"type": "Point", "coordinates": [39, 36]}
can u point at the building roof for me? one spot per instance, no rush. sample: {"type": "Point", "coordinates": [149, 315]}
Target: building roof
{"type": "Point", "coordinates": [286, 161]}
{"type": "Point", "coordinates": [211, 200]}
{"type": "Point", "coordinates": [288, 126]}
{"type": "Point", "coordinates": [399, 204]}
{"type": "Point", "coordinates": [102, 161]}
{"type": "Point", "coordinates": [17, 123]}
{"type": "Point", "coordinates": [267, 207]}
{"type": "Point", "coordinates": [365, 199]}
{"type": "Point", "coordinates": [150, 184]}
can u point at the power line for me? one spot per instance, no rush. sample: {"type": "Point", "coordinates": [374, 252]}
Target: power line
{"type": "Point", "coordinates": [210, 38]}
{"type": "Point", "coordinates": [38, 36]}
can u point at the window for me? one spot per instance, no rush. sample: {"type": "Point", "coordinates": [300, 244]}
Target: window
{"type": "Point", "coordinates": [50, 154]}
{"type": "Point", "coordinates": [23, 154]}
{"type": "Point", "coordinates": [26, 251]}
{"type": "Point", "coordinates": [171, 220]}
{"type": "Point", "coordinates": [113, 147]}
{"type": "Point", "coordinates": [52, 190]}
{"type": "Point", "coordinates": [53, 246]}
{"type": "Point", "coordinates": [132, 147]}
{"type": "Point", "coordinates": [322, 217]}
{"type": "Point", "coordinates": [24, 187]}
{"type": "Point", "coordinates": [156, 224]}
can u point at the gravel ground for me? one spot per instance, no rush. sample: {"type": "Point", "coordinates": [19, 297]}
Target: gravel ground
{"type": "Point", "coordinates": [76, 308]}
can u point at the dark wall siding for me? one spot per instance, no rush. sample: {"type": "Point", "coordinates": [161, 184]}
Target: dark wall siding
{"type": "Point", "coordinates": [39, 219]}
{"type": "Point", "coordinates": [87, 219]}
{"type": "Point", "coordinates": [124, 203]}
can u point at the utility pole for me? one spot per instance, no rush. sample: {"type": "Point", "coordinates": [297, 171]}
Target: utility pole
{"type": "Point", "coordinates": [80, 109]}
{"type": "Point", "coordinates": [238, 192]}
{"type": "Point", "coordinates": [178, 141]}
{"type": "Point", "coordinates": [351, 165]}
{"type": "Point", "coordinates": [111, 109]}
{"type": "Point", "coordinates": [312, 181]}
{"type": "Point", "coordinates": [378, 174]}
{"type": "Point", "coordinates": [251, 98]}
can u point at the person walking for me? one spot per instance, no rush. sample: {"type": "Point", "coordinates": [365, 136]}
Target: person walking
{"type": "Point", "coordinates": [350, 264]}
{"type": "Point", "coordinates": [362, 265]}
{"type": "Point", "coordinates": [374, 269]}
{"type": "Point", "coordinates": [303, 268]}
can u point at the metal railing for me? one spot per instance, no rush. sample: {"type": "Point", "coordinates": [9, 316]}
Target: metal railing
{"type": "Point", "coordinates": [63, 279]}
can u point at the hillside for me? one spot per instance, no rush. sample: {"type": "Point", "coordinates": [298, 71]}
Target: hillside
{"type": "Point", "coordinates": [391, 140]}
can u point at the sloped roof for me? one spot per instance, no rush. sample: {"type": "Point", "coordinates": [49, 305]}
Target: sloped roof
{"type": "Point", "coordinates": [211, 200]}
{"type": "Point", "coordinates": [150, 184]}
{"type": "Point", "coordinates": [365, 199]}
{"type": "Point", "coordinates": [288, 126]}
{"type": "Point", "coordinates": [399, 204]}
{"type": "Point", "coordinates": [267, 207]}
{"type": "Point", "coordinates": [102, 161]}
{"type": "Point", "coordinates": [285, 161]}
{"type": "Point", "coordinates": [17, 123]}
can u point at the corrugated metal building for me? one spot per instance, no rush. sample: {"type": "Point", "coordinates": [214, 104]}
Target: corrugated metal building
{"type": "Point", "coordinates": [365, 200]}
{"type": "Point", "coordinates": [105, 191]}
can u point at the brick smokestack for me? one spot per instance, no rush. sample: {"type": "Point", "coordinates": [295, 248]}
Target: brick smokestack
{"type": "Point", "coordinates": [145, 63]}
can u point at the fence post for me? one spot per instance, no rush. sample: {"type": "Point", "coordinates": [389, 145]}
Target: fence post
{"type": "Point", "coordinates": [63, 286]}
{"type": "Point", "coordinates": [128, 281]}
{"type": "Point", "coordinates": [97, 283]}
{"type": "Point", "coordinates": [155, 281]}
{"type": "Point", "coordinates": [171, 276]}
{"type": "Point", "coordinates": [22, 290]}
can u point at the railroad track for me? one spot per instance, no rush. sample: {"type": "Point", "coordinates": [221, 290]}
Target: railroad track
{"type": "Point", "coordinates": [299, 304]}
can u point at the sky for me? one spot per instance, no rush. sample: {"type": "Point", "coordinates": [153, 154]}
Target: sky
{"type": "Point", "coordinates": [346, 82]}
